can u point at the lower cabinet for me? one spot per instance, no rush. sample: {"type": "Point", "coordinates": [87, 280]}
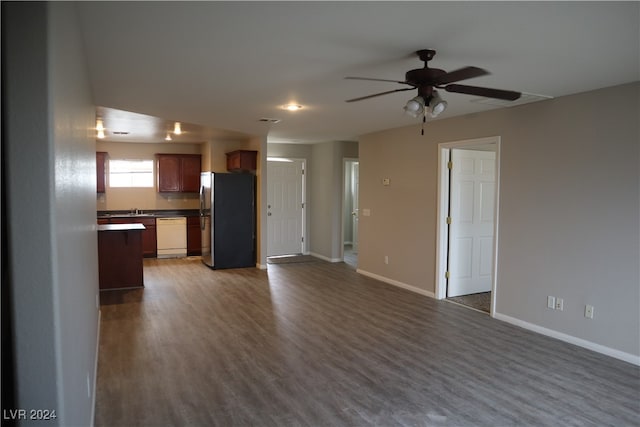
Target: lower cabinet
{"type": "Point", "coordinates": [194, 236]}
{"type": "Point", "coordinates": [120, 257]}
{"type": "Point", "coordinates": [149, 242]}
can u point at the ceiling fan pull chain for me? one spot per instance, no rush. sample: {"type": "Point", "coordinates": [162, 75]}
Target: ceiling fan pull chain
{"type": "Point", "coordinates": [424, 119]}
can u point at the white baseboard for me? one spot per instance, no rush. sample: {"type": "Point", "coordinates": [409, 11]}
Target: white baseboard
{"type": "Point", "coordinates": [322, 257]}
{"type": "Point", "coordinates": [627, 357]}
{"type": "Point", "coordinates": [621, 355]}
{"type": "Point", "coordinates": [397, 283]}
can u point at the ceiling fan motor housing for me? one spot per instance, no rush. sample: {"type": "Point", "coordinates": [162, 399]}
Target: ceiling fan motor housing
{"type": "Point", "coordinates": [423, 76]}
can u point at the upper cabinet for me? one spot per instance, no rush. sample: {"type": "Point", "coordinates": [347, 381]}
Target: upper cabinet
{"type": "Point", "coordinates": [101, 171]}
{"type": "Point", "coordinates": [241, 161]}
{"type": "Point", "coordinates": [179, 172]}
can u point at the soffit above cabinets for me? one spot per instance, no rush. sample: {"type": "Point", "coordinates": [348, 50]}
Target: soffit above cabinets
{"type": "Point", "coordinates": [127, 126]}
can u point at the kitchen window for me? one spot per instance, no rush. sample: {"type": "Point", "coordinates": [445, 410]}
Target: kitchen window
{"type": "Point", "coordinates": [130, 173]}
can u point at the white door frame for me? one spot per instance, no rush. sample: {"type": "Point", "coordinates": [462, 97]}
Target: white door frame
{"type": "Point", "coordinates": [305, 243]}
{"type": "Point", "coordinates": [442, 208]}
{"type": "Point", "coordinates": [345, 160]}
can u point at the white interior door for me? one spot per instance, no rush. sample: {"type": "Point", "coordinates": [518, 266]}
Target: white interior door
{"type": "Point", "coordinates": [355, 182]}
{"type": "Point", "coordinates": [472, 201]}
{"type": "Point", "coordinates": [284, 207]}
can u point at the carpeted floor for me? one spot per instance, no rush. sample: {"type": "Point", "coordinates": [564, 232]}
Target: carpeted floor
{"type": "Point", "coordinates": [481, 301]}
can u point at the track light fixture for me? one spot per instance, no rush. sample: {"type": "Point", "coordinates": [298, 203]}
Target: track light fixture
{"type": "Point", "coordinates": [100, 128]}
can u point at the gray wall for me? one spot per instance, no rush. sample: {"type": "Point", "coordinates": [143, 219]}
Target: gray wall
{"type": "Point", "coordinates": [326, 195]}
{"type": "Point", "coordinates": [50, 154]}
{"type": "Point", "coordinates": [568, 215]}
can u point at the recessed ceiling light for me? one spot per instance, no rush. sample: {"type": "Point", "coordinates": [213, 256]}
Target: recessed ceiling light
{"type": "Point", "coordinates": [292, 107]}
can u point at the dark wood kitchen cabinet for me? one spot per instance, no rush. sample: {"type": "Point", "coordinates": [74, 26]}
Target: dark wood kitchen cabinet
{"type": "Point", "coordinates": [149, 239]}
{"type": "Point", "coordinates": [194, 236]}
{"type": "Point", "coordinates": [242, 161]}
{"type": "Point", "coordinates": [179, 172]}
{"type": "Point", "coordinates": [120, 256]}
{"type": "Point", "coordinates": [101, 171]}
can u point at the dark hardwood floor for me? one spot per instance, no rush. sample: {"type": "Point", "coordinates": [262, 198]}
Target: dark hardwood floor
{"type": "Point", "coordinates": [316, 344]}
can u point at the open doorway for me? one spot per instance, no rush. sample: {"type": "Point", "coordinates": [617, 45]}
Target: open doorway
{"type": "Point", "coordinates": [467, 222]}
{"type": "Point", "coordinates": [350, 214]}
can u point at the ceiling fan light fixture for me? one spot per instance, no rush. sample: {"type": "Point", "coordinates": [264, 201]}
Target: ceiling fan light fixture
{"type": "Point", "coordinates": [414, 107]}
{"type": "Point", "coordinates": [437, 105]}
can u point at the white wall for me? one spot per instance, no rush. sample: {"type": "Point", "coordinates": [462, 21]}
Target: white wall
{"type": "Point", "coordinates": [51, 188]}
{"type": "Point", "coordinates": [568, 218]}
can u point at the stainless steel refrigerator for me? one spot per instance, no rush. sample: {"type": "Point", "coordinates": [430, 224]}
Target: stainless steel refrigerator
{"type": "Point", "coordinates": [227, 219]}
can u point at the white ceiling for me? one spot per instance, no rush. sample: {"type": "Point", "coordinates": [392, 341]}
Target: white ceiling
{"type": "Point", "coordinates": [224, 65]}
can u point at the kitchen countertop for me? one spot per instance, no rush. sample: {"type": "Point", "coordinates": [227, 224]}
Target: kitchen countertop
{"type": "Point", "coordinates": [151, 213]}
{"type": "Point", "coordinates": [121, 227]}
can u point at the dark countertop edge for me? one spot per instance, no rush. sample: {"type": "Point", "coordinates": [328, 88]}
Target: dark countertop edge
{"type": "Point", "coordinates": [121, 227]}
{"type": "Point", "coordinates": [154, 213]}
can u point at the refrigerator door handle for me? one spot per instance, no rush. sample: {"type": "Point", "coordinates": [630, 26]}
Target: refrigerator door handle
{"type": "Point", "coordinates": [202, 207]}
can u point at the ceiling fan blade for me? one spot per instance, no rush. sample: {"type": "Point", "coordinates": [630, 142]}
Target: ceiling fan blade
{"type": "Point", "coordinates": [457, 75]}
{"type": "Point", "coordinates": [507, 95]}
{"type": "Point", "coordinates": [378, 94]}
{"type": "Point", "coordinates": [378, 80]}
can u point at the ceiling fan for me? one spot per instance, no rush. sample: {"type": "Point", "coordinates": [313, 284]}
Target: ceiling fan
{"type": "Point", "coordinates": [427, 80]}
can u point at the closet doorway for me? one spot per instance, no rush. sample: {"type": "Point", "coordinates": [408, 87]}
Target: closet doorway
{"type": "Point", "coordinates": [467, 223]}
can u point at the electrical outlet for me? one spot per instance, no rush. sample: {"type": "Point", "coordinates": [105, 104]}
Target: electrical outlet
{"type": "Point", "coordinates": [551, 302]}
{"type": "Point", "coordinates": [386, 259]}
{"type": "Point", "coordinates": [559, 304]}
{"type": "Point", "coordinates": [588, 311]}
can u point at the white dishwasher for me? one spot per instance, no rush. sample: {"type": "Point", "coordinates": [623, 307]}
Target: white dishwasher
{"type": "Point", "coordinates": [171, 235]}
